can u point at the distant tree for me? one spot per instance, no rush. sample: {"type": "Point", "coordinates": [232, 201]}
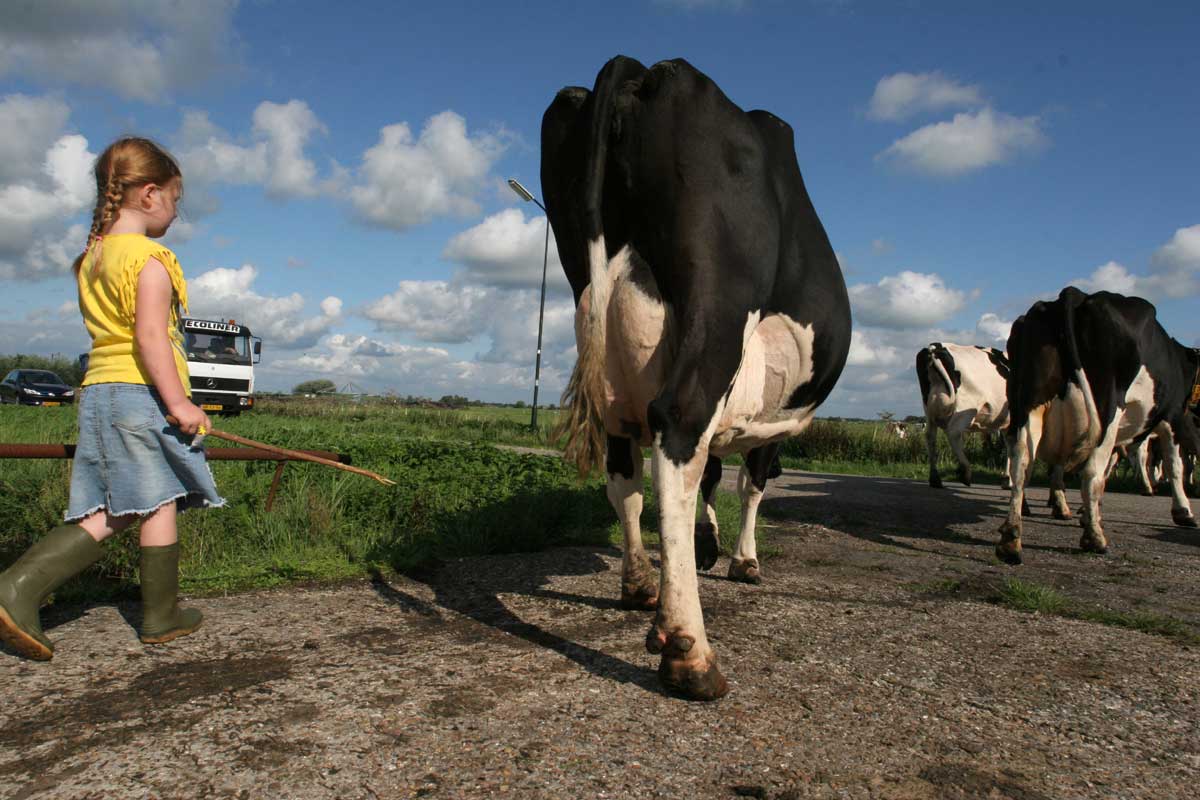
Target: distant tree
{"type": "Point", "coordinates": [320, 386]}
{"type": "Point", "coordinates": [887, 416]}
{"type": "Point", "coordinates": [454, 401]}
{"type": "Point", "coordinates": [519, 404]}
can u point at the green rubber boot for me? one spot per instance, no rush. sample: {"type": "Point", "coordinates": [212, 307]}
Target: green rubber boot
{"type": "Point", "coordinates": [162, 618]}
{"type": "Point", "coordinates": [63, 552]}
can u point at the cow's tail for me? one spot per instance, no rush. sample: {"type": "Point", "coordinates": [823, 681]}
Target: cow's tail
{"type": "Point", "coordinates": [945, 376]}
{"type": "Point", "coordinates": [584, 397]}
{"type": "Point", "coordinates": [1075, 366]}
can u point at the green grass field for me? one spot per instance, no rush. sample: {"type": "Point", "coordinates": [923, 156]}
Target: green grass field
{"type": "Point", "coordinates": [457, 493]}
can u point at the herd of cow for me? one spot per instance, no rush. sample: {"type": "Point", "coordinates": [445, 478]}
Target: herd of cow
{"type": "Point", "coordinates": [712, 318]}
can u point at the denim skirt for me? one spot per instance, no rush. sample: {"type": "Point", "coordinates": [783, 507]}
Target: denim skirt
{"type": "Point", "coordinates": [129, 460]}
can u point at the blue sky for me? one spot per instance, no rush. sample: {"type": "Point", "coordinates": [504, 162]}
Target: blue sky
{"type": "Point", "coordinates": [345, 166]}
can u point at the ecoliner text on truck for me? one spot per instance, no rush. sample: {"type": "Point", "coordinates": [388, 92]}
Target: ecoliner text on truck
{"type": "Point", "coordinates": [221, 358]}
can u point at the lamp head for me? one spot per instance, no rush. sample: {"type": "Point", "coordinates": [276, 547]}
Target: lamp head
{"type": "Point", "coordinates": [521, 191]}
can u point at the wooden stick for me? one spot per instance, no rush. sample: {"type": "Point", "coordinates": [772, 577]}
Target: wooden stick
{"type": "Point", "coordinates": [294, 454]}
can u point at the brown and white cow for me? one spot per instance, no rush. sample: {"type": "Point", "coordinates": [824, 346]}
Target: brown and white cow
{"type": "Point", "coordinates": [711, 314]}
{"type": "Point", "coordinates": [963, 388]}
{"type": "Point", "coordinates": [1088, 373]}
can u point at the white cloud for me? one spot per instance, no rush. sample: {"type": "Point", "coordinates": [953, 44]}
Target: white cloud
{"type": "Point", "coordinates": [405, 181]}
{"type": "Point", "coordinates": [69, 166]}
{"type": "Point", "coordinates": [349, 356]}
{"type": "Point", "coordinates": [275, 159]}
{"type": "Point", "coordinates": [514, 334]}
{"type": "Point", "coordinates": [881, 247]}
{"type": "Point", "coordinates": [26, 124]}
{"type": "Point", "coordinates": [969, 142]}
{"type": "Point", "coordinates": [506, 251]}
{"type": "Point", "coordinates": [867, 351]}
{"type": "Point", "coordinates": [907, 300]}
{"type": "Point", "coordinates": [287, 129]}
{"type": "Point", "coordinates": [45, 331]}
{"type": "Point", "coordinates": [230, 294]}
{"type": "Point", "coordinates": [1174, 271]}
{"type": "Point", "coordinates": [140, 49]}
{"type": "Point", "coordinates": [1110, 277]}
{"type": "Point", "coordinates": [436, 311]}
{"type": "Point", "coordinates": [507, 319]}
{"type": "Point", "coordinates": [379, 365]}
{"type": "Point", "coordinates": [899, 96]}
{"type": "Point", "coordinates": [39, 197]}
{"type": "Point", "coordinates": [993, 329]}
{"type": "Point", "coordinates": [1176, 265]}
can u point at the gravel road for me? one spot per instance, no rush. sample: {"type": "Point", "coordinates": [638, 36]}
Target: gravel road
{"type": "Point", "coordinates": [869, 664]}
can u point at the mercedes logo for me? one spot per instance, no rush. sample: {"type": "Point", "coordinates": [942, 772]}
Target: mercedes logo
{"type": "Point", "coordinates": [211, 383]}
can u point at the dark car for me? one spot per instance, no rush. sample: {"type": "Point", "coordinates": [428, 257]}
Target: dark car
{"type": "Point", "coordinates": [35, 387]}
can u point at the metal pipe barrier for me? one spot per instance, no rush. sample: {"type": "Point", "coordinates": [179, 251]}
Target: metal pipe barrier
{"type": "Point", "coordinates": [212, 453]}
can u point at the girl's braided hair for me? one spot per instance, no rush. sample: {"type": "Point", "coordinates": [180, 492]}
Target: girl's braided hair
{"type": "Point", "coordinates": [125, 164]}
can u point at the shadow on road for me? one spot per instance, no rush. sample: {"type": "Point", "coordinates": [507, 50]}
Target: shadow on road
{"type": "Point", "coordinates": [895, 512]}
{"type": "Point", "coordinates": [477, 596]}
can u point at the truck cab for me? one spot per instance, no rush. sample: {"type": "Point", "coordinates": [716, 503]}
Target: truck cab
{"type": "Point", "coordinates": [221, 356]}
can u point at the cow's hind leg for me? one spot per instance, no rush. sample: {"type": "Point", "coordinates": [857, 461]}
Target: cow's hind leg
{"type": "Point", "coordinates": [954, 432]}
{"type": "Point", "coordinates": [1005, 480]}
{"type": "Point", "coordinates": [1058, 494]}
{"type": "Point", "coordinates": [639, 584]}
{"type": "Point", "coordinates": [1091, 486]}
{"type": "Point", "coordinates": [935, 479]}
{"type": "Point", "coordinates": [752, 482]}
{"type": "Point", "coordinates": [1168, 448]}
{"type": "Point", "coordinates": [1138, 455]}
{"type": "Point", "coordinates": [1022, 448]}
{"type": "Point", "coordinates": [707, 538]}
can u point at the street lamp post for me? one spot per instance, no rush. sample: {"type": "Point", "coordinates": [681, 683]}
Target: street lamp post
{"type": "Point", "coordinates": [525, 195]}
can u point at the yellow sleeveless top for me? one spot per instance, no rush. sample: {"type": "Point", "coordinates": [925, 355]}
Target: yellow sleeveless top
{"type": "Point", "coordinates": [107, 296]}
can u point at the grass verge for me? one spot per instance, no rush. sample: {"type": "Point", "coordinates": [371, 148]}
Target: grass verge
{"type": "Point", "coordinates": [1036, 598]}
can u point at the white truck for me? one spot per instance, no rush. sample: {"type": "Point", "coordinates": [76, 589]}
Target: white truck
{"type": "Point", "coordinates": [221, 357]}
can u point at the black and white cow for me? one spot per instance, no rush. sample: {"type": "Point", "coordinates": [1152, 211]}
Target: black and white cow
{"type": "Point", "coordinates": [711, 314]}
{"type": "Point", "coordinates": [1090, 372]}
{"type": "Point", "coordinates": [963, 389]}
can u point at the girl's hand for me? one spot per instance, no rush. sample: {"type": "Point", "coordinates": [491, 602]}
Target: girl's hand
{"type": "Point", "coordinates": [191, 418]}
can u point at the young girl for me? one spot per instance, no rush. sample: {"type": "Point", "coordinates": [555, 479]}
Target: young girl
{"type": "Point", "coordinates": [129, 463]}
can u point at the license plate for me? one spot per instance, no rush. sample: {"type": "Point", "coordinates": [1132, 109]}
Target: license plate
{"type": "Point", "coordinates": [210, 407]}
{"type": "Point", "coordinates": [51, 403]}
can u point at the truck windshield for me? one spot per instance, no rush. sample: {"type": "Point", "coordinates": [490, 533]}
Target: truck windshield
{"type": "Point", "coordinates": [220, 348]}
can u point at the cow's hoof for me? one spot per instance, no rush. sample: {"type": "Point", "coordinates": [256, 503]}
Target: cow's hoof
{"type": "Point", "coordinates": [1147, 492]}
{"type": "Point", "coordinates": [935, 482]}
{"type": "Point", "coordinates": [1006, 485]}
{"type": "Point", "coordinates": [964, 477]}
{"type": "Point", "coordinates": [639, 598]}
{"type": "Point", "coordinates": [1060, 512]}
{"type": "Point", "coordinates": [1008, 549]}
{"type": "Point", "coordinates": [1025, 512]}
{"type": "Point", "coordinates": [1183, 518]}
{"type": "Point", "coordinates": [1090, 543]}
{"type": "Point", "coordinates": [1008, 554]}
{"type": "Point", "coordinates": [745, 570]}
{"type": "Point", "coordinates": [695, 679]}
{"type": "Point", "coordinates": [639, 586]}
{"type": "Point", "coordinates": [707, 547]}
